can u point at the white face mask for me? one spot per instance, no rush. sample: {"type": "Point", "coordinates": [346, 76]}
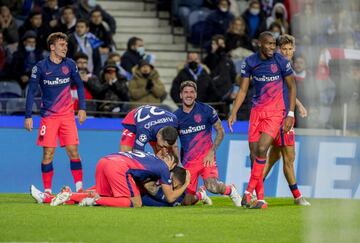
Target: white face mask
{"type": "Point", "coordinates": [276, 34]}
{"type": "Point", "coordinates": [29, 48]}
{"type": "Point", "coordinates": [117, 64]}
{"type": "Point", "coordinates": [254, 11]}
{"type": "Point", "coordinates": [224, 10]}
{"type": "Point", "coordinates": [141, 50]}
{"type": "Point", "coordinates": [92, 3]}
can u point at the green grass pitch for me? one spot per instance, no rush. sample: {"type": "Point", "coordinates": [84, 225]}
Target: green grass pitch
{"type": "Point", "coordinates": [22, 220]}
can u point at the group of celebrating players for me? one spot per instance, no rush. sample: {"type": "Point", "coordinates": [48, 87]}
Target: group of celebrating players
{"type": "Point", "coordinates": [132, 177]}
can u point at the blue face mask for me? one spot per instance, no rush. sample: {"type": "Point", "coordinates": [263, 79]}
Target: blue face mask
{"type": "Point", "coordinates": [29, 48]}
{"type": "Point", "coordinates": [141, 50]}
{"type": "Point", "coordinates": [92, 3]}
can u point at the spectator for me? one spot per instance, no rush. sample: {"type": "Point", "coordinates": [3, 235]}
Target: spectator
{"type": "Point", "coordinates": [115, 57]}
{"type": "Point", "coordinates": [254, 19]}
{"type": "Point", "coordinates": [113, 88]}
{"type": "Point", "coordinates": [84, 8]}
{"type": "Point", "coordinates": [195, 71]}
{"type": "Point", "coordinates": [223, 72]}
{"type": "Point", "coordinates": [5, 59]}
{"type": "Point", "coordinates": [236, 36]}
{"type": "Point", "coordinates": [146, 86]}
{"type": "Point", "coordinates": [181, 9]}
{"type": "Point", "coordinates": [304, 86]}
{"type": "Point", "coordinates": [279, 15]}
{"type": "Point", "coordinates": [134, 53]}
{"type": "Point", "coordinates": [25, 58]}
{"type": "Point", "coordinates": [101, 31]}
{"type": "Point", "coordinates": [67, 21]}
{"type": "Point", "coordinates": [218, 22]}
{"type": "Point", "coordinates": [276, 29]}
{"type": "Point", "coordinates": [91, 81]}
{"type": "Point", "coordinates": [34, 23]}
{"type": "Point", "coordinates": [303, 25]}
{"type": "Point", "coordinates": [8, 26]}
{"type": "Point", "coordinates": [83, 41]}
{"type": "Point", "coordinates": [50, 14]}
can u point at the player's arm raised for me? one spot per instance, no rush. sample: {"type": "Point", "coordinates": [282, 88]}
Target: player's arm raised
{"type": "Point", "coordinates": [289, 120]}
{"type": "Point", "coordinates": [170, 194]}
{"type": "Point", "coordinates": [220, 133]}
{"type": "Point", "coordinates": [240, 97]}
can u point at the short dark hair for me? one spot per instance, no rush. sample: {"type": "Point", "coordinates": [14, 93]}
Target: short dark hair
{"type": "Point", "coordinates": [180, 174]}
{"type": "Point", "coordinates": [67, 7]}
{"type": "Point", "coordinates": [217, 38]}
{"type": "Point", "coordinates": [188, 83]}
{"type": "Point", "coordinates": [83, 21]}
{"type": "Point", "coordinates": [95, 10]}
{"type": "Point", "coordinates": [52, 38]}
{"type": "Point", "coordinates": [169, 134]}
{"type": "Point", "coordinates": [132, 41]}
{"type": "Point", "coordinates": [265, 33]}
{"type": "Point", "coordinates": [80, 55]}
{"type": "Point", "coordinates": [114, 54]}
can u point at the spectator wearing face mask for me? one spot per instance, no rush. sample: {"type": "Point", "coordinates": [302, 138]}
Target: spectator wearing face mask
{"type": "Point", "coordinates": [146, 86]}
{"type": "Point", "coordinates": [195, 71]}
{"type": "Point", "coordinates": [25, 58]}
{"type": "Point", "coordinates": [279, 15]}
{"type": "Point", "coordinates": [255, 19]}
{"type": "Point", "coordinates": [134, 53]}
{"type": "Point", "coordinates": [113, 88]}
{"type": "Point", "coordinates": [276, 29]}
{"type": "Point", "coordinates": [116, 58]}
{"type": "Point", "coordinates": [218, 22]}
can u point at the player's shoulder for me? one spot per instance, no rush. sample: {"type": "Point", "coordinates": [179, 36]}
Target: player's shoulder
{"type": "Point", "coordinates": [280, 58]}
{"type": "Point", "coordinates": [69, 62]}
{"type": "Point", "coordinates": [252, 59]}
{"type": "Point", "coordinates": [177, 113]}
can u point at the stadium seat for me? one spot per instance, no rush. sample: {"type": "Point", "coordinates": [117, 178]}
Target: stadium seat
{"type": "Point", "coordinates": [16, 106]}
{"type": "Point", "coordinates": [10, 89]}
{"type": "Point", "coordinates": [196, 25]}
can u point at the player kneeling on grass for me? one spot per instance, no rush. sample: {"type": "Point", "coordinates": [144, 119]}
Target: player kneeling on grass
{"type": "Point", "coordinates": [116, 175]}
{"type": "Point", "coordinates": [196, 121]}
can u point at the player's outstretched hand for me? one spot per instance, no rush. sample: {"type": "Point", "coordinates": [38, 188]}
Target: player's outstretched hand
{"type": "Point", "coordinates": [28, 124]}
{"type": "Point", "coordinates": [81, 116]}
{"type": "Point", "coordinates": [209, 159]}
{"type": "Point", "coordinates": [231, 120]}
{"type": "Point", "coordinates": [289, 121]}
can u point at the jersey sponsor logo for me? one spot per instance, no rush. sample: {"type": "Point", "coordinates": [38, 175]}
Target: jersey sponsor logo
{"type": "Point", "coordinates": [264, 78]}
{"type": "Point", "coordinates": [159, 121]}
{"type": "Point", "coordinates": [143, 138]}
{"type": "Point", "coordinates": [57, 81]}
{"type": "Point", "coordinates": [197, 118]}
{"type": "Point", "coordinates": [192, 129]}
{"type": "Point", "coordinates": [65, 70]}
{"type": "Point", "coordinates": [273, 68]}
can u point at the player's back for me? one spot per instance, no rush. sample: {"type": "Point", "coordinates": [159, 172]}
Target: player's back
{"type": "Point", "coordinates": [55, 81]}
{"type": "Point", "coordinates": [268, 78]}
{"type": "Point", "coordinates": [195, 131]}
{"type": "Point", "coordinates": [142, 166]}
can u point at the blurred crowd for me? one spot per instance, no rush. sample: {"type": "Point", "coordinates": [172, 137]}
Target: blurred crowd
{"type": "Point", "coordinates": [225, 31]}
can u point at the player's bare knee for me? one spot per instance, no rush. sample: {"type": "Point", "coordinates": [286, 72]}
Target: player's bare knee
{"type": "Point", "coordinates": [48, 156]}
{"type": "Point", "coordinates": [136, 202]}
{"type": "Point", "coordinates": [262, 150]}
{"type": "Point", "coordinates": [72, 152]}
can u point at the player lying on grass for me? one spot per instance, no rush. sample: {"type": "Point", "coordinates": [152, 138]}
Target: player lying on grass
{"type": "Point", "coordinates": [116, 175]}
